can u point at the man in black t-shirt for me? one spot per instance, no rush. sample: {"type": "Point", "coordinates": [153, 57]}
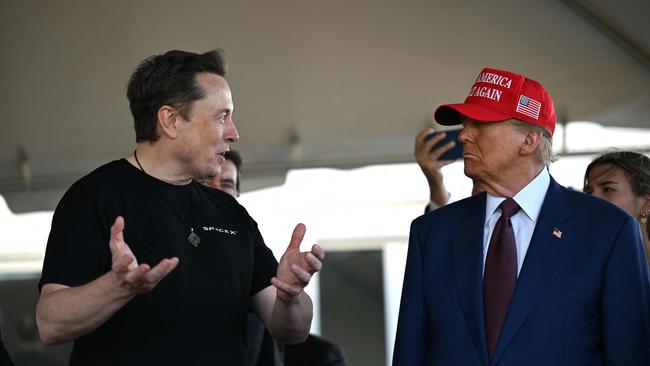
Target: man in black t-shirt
{"type": "Point", "coordinates": [146, 266]}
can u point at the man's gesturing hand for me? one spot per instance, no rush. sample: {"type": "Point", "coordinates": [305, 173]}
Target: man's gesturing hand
{"type": "Point", "coordinates": [132, 277]}
{"type": "Point", "coordinates": [296, 268]}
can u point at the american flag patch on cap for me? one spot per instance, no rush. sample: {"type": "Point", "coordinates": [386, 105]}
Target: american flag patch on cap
{"type": "Point", "coordinates": [529, 107]}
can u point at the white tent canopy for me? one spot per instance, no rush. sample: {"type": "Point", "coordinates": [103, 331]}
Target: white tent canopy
{"type": "Point", "coordinates": [316, 84]}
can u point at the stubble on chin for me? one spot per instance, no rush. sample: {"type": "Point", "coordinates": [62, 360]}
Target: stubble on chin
{"type": "Point", "coordinates": [198, 169]}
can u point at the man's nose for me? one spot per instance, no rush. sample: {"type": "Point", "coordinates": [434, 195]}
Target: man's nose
{"type": "Point", "coordinates": [231, 134]}
{"type": "Point", "coordinates": [464, 135]}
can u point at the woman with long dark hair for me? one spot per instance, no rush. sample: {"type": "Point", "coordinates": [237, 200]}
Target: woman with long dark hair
{"type": "Point", "coordinates": [623, 178]}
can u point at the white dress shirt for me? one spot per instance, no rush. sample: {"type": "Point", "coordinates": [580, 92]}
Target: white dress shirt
{"type": "Point", "coordinates": [530, 199]}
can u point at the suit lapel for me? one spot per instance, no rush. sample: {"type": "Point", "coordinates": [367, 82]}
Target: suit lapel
{"type": "Point", "coordinates": [541, 259]}
{"type": "Point", "coordinates": [467, 258]}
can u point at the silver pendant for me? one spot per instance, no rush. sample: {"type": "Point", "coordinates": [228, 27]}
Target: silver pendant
{"type": "Point", "coordinates": [193, 238]}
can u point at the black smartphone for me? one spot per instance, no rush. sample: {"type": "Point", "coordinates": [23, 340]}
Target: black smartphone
{"type": "Point", "coordinates": [455, 152]}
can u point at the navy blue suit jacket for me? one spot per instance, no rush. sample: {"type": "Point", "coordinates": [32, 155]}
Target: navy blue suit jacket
{"type": "Point", "coordinates": [581, 299]}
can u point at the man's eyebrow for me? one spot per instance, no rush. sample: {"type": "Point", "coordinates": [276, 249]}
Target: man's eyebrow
{"type": "Point", "coordinates": [607, 182]}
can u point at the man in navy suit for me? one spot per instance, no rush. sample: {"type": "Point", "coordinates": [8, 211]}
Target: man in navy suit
{"type": "Point", "coordinates": [527, 272]}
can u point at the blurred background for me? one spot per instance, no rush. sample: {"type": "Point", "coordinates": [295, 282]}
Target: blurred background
{"type": "Point", "coordinates": [328, 99]}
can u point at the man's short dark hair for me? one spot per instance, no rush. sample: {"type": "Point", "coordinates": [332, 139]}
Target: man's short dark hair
{"type": "Point", "coordinates": [235, 157]}
{"type": "Point", "coordinates": [168, 79]}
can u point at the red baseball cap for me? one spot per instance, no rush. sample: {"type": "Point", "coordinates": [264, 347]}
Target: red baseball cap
{"type": "Point", "coordinates": [499, 95]}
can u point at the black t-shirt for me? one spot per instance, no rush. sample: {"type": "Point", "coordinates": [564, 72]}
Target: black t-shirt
{"type": "Point", "coordinates": [197, 314]}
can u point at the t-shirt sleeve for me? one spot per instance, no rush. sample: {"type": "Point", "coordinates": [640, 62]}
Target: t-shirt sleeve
{"type": "Point", "coordinates": [265, 264]}
{"type": "Point", "coordinates": [77, 248]}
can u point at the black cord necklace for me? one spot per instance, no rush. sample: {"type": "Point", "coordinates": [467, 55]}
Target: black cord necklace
{"type": "Point", "coordinates": [192, 238]}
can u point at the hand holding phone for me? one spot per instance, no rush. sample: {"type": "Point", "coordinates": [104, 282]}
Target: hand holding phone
{"type": "Point", "coordinates": [434, 150]}
{"type": "Point", "coordinates": [453, 153]}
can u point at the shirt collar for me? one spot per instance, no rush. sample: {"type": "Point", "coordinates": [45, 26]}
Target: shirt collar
{"type": "Point", "coordinates": [530, 198]}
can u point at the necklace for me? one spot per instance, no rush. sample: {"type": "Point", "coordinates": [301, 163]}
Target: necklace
{"type": "Point", "coordinates": [192, 238]}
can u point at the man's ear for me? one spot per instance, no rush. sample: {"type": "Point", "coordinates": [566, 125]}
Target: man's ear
{"type": "Point", "coordinates": [530, 142]}
{"type": "Point", "coordinates": [168, 121]}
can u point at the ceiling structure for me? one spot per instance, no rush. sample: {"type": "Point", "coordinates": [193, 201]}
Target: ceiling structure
{"type": "Point", "coordinates": [334, 84]}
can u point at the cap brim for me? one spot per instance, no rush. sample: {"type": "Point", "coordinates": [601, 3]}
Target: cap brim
{"type": "Point", "coordinates": [450, 114]}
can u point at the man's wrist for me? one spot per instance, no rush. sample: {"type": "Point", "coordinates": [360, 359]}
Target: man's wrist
{"type": "Point", "coordinates": [286, 298]}
{"type": "Point", "coordinates": [120, 287]}
{"type": "Point", "coordinates": [440, 199]}
{"type": "Point", "coordinates": [436, 204]}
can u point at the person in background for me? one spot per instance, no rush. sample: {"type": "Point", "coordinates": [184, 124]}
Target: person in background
{"type": "Point", "coordinates": [228, 178]}
{"type": "Point", "coordinates": [262, 349]}
{"type": "Point", "coordinates": [623, 178]}
{"type": "Point", "coordinates": [315, 351]}
{"type": "Point", "coordinates": [144, 265]}
{"type": "Point", "coordinates": [527, 272]}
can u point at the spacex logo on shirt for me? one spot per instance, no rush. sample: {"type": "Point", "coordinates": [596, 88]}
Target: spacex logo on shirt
{"type": "Point", "coordinates": [225, 231]}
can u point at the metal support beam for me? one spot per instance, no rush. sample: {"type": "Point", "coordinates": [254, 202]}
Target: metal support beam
{"type": "Point", "coordinates": [620, 39]}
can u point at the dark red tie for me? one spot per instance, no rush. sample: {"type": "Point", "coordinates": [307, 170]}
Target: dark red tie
{"type": "Point", "coordinates": [500, 275]}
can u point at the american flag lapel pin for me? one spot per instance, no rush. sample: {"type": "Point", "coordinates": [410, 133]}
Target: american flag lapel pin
{"type": "Point", "coordinates": [557, 233]}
